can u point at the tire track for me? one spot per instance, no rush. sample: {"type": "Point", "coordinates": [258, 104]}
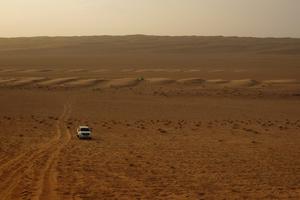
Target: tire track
{"type": "Point", "coordinates": [42, 160]}
{"type": "Point", "coordinates": [47, 184]}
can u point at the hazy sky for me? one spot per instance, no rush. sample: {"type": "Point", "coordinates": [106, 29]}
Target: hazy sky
{"type": "Point", "coordinates": [263, 18]}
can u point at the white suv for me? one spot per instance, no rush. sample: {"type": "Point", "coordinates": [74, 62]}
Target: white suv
{"type": "Point", "coordinates": [84, 132]}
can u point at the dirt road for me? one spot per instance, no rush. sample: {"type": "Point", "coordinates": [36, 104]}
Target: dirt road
{"type": "Point", "coordinates": [36, 169]}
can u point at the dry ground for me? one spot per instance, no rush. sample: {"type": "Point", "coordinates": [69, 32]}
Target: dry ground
{"type": "Point", "coordinates": [172, 118]}
{"type": "Point", "coordinates": [157, 139]}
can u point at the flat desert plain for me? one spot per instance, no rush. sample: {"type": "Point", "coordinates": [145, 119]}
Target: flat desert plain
{"type": "Point", "coordinates": [172, 118]}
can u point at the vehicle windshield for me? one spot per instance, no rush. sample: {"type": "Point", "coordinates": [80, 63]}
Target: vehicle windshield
{"type": "Point", "coordinates": [84, 129]}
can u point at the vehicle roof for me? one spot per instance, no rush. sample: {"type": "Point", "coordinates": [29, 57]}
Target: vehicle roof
{"type": "Point", "coordinates": [83, 127]}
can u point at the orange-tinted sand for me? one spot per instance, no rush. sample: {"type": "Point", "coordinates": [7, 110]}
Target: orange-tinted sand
{"type": "Point", "coordinates": [172, 118]}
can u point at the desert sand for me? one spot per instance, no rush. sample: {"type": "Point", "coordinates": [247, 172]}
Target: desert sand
{"type": "Point", "coordinates": [172, 118]}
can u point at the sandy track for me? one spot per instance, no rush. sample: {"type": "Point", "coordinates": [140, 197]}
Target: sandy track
{"type": "Point", "coordinates": [36, 170]}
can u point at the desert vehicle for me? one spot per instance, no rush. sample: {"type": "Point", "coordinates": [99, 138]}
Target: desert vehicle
{"type": "Point", "coordinates": [84, 132]}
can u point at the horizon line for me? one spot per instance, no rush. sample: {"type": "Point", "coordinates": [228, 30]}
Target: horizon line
{"type": "Point", "coordinates": [145, 35]}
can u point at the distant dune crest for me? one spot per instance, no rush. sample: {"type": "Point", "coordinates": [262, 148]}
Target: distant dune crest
{"type": "Point", "coordinates": [150, 53]}
{"type": "Point", "coordinates": [76, 82]}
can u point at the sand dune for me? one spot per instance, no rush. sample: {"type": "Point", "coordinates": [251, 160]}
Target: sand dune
{"type": "Point", "coordinates": [164, 126]}
{"type": "Point", "coordinates": [191, 81]}
{"type": "Point", "coordinates": [157, 70]}
{"type": "Point", "coordinates": [6, 80]}
{"type": "Point", "coordinates": [74, 82]}
{"type": "Point", "coordinates": [282, 81]}
{"type": "Point", "coordinates": [155, 54]}
{"type": "Point", "coordinates": [56, 81]}
{"type": "Point", "coordinates": [216, 71]}
{"type": "Point", "coordinates": [9, 70]}
{"type": "Point", "coordinates": [25, 81]}
{"type": "Point", "coordinates": [155, 136]}
{"type": "Point", "coordinates": [99, 70]}
{"type": "Point", "coordinates": [239, 70]}
{"type": "Point", "coordinates": [77, 70]}
{"type": "Point", "coordinates": [127, 70]}
{"type": "Point", "coordinates": [216, 81]}
{"type": "Point", "coordinates": [193, 70]}
{"type": "Point", "coordinates": [242, 83]}
{"type": "Point", "coordinates": [83, 83]}
{"type": "Point", "coordinates": [160, 81]}
{"type": "Point", "coordinates": [35, 71]}
{"type": "Point", "coordinates": [123, 82]}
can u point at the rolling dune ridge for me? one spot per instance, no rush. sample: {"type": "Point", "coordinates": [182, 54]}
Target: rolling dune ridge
{"type": "Point", "coordinates": [3, 81]}
{"type": "Point", "coordinates": [56, 81]}
{"type": "Point", "coordinates": [243, 83]}
{"type": "Point", "coordinates": [261, 57]}
{"type": "Point", "coordinates": [282, 81]}
{"type": "Point", "coordinates": [35, 71]}
{"type": "Point", "coordinates": [20, 82]}
{"type": "Point", "coordinates": [191, 81]}
{"type": "Point", "coordinates": [123, 82]}
{"type": "Point", "coordinates": [160, 81]}
{"type": "Point", "coordinates": [83, 83]}
{"type": "Point", "coordinates": [216, 81]}
{"type": "Point", "coordinates": [135, 82]}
